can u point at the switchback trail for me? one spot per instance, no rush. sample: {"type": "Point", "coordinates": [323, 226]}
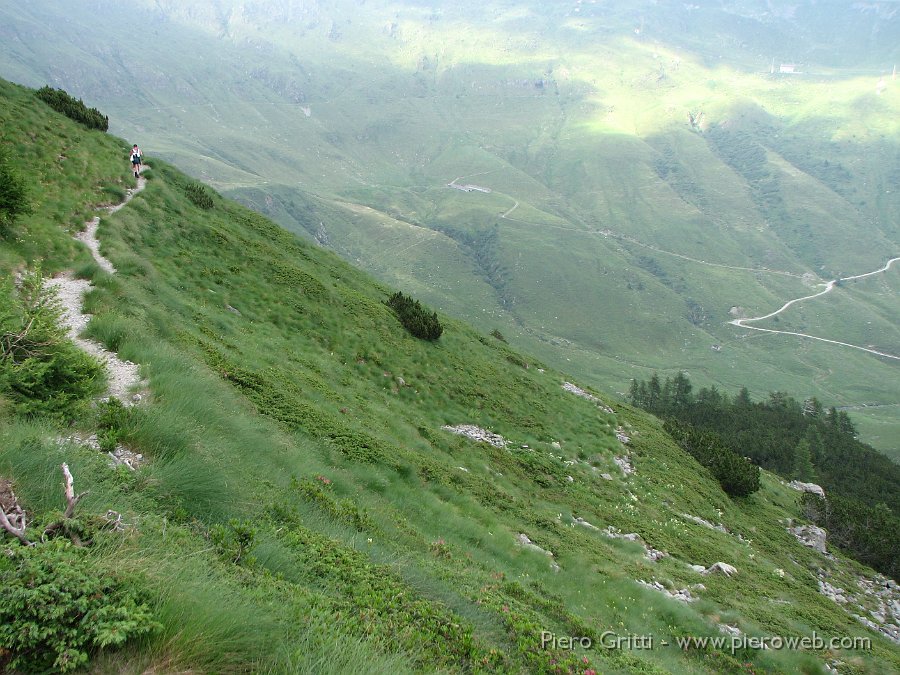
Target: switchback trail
{"type": "Point", "coordinates": [742, 323]}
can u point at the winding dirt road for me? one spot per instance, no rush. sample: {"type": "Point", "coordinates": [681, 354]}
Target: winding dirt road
{"type": "Point", "coordinates": [742, 323]}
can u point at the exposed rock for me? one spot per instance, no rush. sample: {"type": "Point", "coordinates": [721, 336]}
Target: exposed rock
{"type": "Point", "coordinates": [584, 523]}
{"type": "Point", "coordinates": [683, 595]}
{"type": "Point", "coordinates": [705, 523]}
{"type": "Point", "coordinates": [879, 596]}
{"type": "Point", "coordinates": [606, 476]}
{"type": "Point", "coordinates": [650, 553]}
{"type": "Point", "coordinates": [810, 535]}
{"type": "Point", "coordinates": [730, 630]}
{"type": "Point", "coordinates": [808, 487]}
{"type": "Point", "coordinates": [720, 568]}
{"type": "Point", "coordinates": [578, 391]}
{"type": "Point", "coordinates": [523, 541]}
{"type": "Point", "coordinates": [477, 434]}
{"type": "Point", "coordinates": [698, 568]}
{"type": "Point", "coordinates": [624, 463]}
{"type": "Point", "coordinates": [622, 436]}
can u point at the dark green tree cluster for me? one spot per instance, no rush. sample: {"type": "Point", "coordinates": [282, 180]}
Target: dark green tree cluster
{"type": "Point", "coordinates": [73, 108]}
{"type": "Point", "coordinates": [872, 534]}
{"type": "Point", "coordinates": [798, 440]}
{"type": "Point", "coordinates": [14, 200]}
{"type": "Point", "coordinates": [41, 371]}
{"type": "Point", "coordinates": [737, 475]}
{"type": "Point", "coordinates": [417, 320]}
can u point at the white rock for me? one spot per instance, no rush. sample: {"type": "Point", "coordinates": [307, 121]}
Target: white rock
{"type": "Point", "coordinates": [807, 487]}
{"type": "Point", "coordinates": [720, 568]}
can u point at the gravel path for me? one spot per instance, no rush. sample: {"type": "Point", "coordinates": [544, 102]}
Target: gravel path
{"type": "Point", "coordinates": [124, 376]}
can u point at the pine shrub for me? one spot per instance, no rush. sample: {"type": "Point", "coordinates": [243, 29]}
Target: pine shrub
{"type": "Point", "coordinates": [55, 609]}
{"type": "Point", "coordinates": [417, 320]}
{"type": "Point", "coordinates": [13, 195]}
{"type": "Point", "coordinates": [73, 108]}
{"type": "Point", "coordinates": [199, 194]}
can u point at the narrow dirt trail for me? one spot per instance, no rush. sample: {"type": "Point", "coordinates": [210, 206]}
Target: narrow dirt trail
{"type": "Point", "coordinates": [742, 323]}
{"type": "Point", "coordinates": [123, 376]}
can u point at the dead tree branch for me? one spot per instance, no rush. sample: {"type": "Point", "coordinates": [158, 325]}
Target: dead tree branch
{"type": "Point", "coordinates": [12, 516]}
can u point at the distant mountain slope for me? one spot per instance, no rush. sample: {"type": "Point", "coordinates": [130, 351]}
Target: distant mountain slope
{"type": "Point", "coordinates": [613, 228]}
{"type": "Point", "coordinates": [313, 496]}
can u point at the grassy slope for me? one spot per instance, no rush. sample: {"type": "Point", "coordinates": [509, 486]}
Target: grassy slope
{"type": "Point", "coordinates": [410, 548]}
{"type": "Point", "coordinates": [404, 99]}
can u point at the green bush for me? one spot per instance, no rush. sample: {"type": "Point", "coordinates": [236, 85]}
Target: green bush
{"type": "Point", "coordinates": [737, 475]}
{"type": "Point", "coordinates": [41, 371]}
{"type": "Point", "coordinates": [199, 194]}
{"type": "Point", "coordinates": [414, 317]}
{"type": "Point", "coordinates": [73, 108]}
{"type": "Point", "coordinates": [55, 609]}
{"type": "Point", "coordinates": [13, 195]}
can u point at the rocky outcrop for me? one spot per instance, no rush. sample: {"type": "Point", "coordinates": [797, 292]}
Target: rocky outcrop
{"type": "Point", "coordinates": [477, 434]}
{"type": "Point", "coordinates": [652, 554]}
{"type": "Point", "coordinates": [578, 391]}
{"type": "Point", "coordinates": [624, 463]}
{"type": "Point", "coordinates": [810, 535]}
{"type": "Point", "coordinates": [682, 595]}
{"type": "Point", "coordinates": [808, 487]}
{"type": "Point", "coordinates": [720, 568]}
{"type": "Point", "coordinates": [523, 541]}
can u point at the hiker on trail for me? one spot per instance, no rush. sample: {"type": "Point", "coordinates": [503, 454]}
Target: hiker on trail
{"type": "Point", "coordinates": [136, 159]}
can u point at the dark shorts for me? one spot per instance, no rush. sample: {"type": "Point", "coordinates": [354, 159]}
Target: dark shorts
{"type": "Point", "coordinates": [136, 161]}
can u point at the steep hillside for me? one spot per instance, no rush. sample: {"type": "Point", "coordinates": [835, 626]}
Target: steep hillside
{"type": "Point", "coordinates": [301, 502]}
{"type": "Point", "coordinates": [617, 237]}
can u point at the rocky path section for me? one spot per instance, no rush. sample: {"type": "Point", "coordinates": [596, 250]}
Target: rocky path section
{"type": "Point", "coordinates": [124, 376]}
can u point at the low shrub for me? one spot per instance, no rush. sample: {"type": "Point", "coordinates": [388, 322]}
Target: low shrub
{"type": "Point", "coordinates": [41, 371]}
{"type": "Point", "coordinates": [14, 200]}
{"type": "Point", "coordinates": [56, 610]}
{"type": "Point", "coordinates": [417, 320]}
{"type": "Point", "coordinates": [73, 108]}
{"type": "Point", "coordinates": [199, 194]}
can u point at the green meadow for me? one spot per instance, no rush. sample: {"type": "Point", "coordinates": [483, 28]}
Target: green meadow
{"type": "Point", "coordinates": [346, 123]}
{"type": "Point", "coordinates": [301, 507]}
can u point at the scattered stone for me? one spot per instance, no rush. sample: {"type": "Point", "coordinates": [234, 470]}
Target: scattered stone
{"type": "Point", "coordinates": [698, 568]}
{"type": "Point", "coordinates": [622, 436]}
{"type": "Point", "coordinates": [730, 630]}
{"type": "Point", "coordinates": [808, 487]}
{"type": "Point", "coordinates": [122, 456]}
{"type": "Point", "coordinates": [705, 523]}
{"type": "Point", "coordinates": [606, 476]}
{"type": "Point", "coordinates": [523, 541]}
{"type": "Point", "coordinates": [462, 468]}
{"type": "Point", "coordinates": [684, 595]}
{"type": "Point", "coordinates": [233, 310]}
{"type": "Point", "coordinates": [578, 391]}
{"type": "Point", "coordinates": [569, 479]}
{"type": "Point", "coordinates": [401, 381]}
{"type": "Point", "coordinates": [584, 523]}
{"type": "Point", "coordinates": [556, 445]}
{"type": "Point", "coordinates": [810, 535]}
{"type": "Point", "coordinates": [650, 553]}
{"type": "Point", "coordinates": [878, 596]}
{"type": "Point", "coordinates": [624, 463]}
{"type": "Point", "coordinates": [720, 568]}
{"type": "Point", "coordinates": [477, 434]}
